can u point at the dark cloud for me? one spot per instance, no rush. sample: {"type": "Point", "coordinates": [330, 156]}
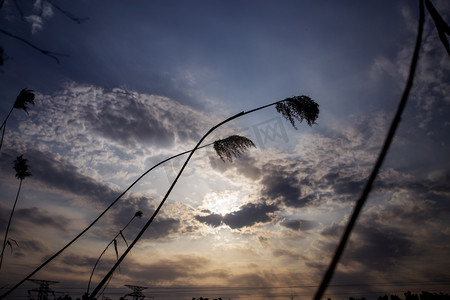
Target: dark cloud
{"type": "Point", "coordinates": [282, 185]}
{"type": "Point", "coordinates": [40, 217]}
{"type": "Point", "coordinates": [213, 220]}
{"type": "Point", "coordinates": [378, 248]}
{"type": "Point", "coordinates": [30, 246]}
{"type": "Point", "coordinates": [59, 175]}
{"type": "Point", "coordinates": [122, 117]}
{"type": "Point", "coordinates": [333, 230]}
{"type": "Point", "coordinates": [375, 246]}
{"type": "Point", "coordinates": [247, 216]}
{"type": "Point", "coordinates": [299, 225]}
{"type": "Point", "coordinates": [167, 270]}
{"type": "Point", "coordinates": [66, 177]}
{"type": "Point", "coordinates": [130, 124]}
{"type": "Point", "coordinates": [162, 228]}
{"type": "Point", "coordinates": [80, 260]}
{"type": "Point", "coordinates": [250, 214]}
{"type": "Point", "coordinates": [347, 186]}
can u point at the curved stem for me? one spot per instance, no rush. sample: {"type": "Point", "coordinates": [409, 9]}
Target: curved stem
{"type": "Point", "coordinates": [105, 279]}
{"type": "Point", "coordinates": [104, 250]}
{"type": "Point", "coordinates": [7, 117]}
{"type": "Point", "coordinates": [9, 223]}
{"type": "Point", "coordinates": [359, 205]}
{"type": "Point", "coordinates": [4, 126]}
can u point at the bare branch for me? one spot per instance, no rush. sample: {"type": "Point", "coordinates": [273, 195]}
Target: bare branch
{"type": "Point", "coordinates": [43, 51]}
{"type": "Point", "coordinates": [68, 14]}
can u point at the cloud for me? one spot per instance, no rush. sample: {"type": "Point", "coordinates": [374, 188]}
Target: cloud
{"type": "Point", "coordinates": [280, 184]}
{"type": "Point", "coordinates": [162, 228]}
{"type": "Point", "coordinates": [42, 217]}
{"type": "Point", "coordinates": [248, 215]}
{"type": "Point", "coordinates": [57, 175]}
{"type": "Point", "coordinates": [379, 248]}
{"type": "Point", "coordinates": [44, 10]}
{"type": "Point", "coordinates": [165, 271]}
{"type": "Point", "coordinates": [128, 118]}
{"type": "Point", "coordinates": [28, 246]}
{"type": "Point", "coordinates": [214, 220]}
{"type": "Point", "coordinates": [245, 165]}
{"type": "Point", "coordinates": [299, 225]}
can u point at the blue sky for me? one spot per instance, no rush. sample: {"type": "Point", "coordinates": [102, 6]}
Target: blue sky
{"type": "Point", "coordinates": [143, 81]}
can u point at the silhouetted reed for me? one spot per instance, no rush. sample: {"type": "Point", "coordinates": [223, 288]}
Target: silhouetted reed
{"type": "Point", "coordinates": [23, 100]}
{"type": "Point", "coordinates": [22, 172]}
{"type": "Point", "coordinates": [232, 146]}
{"type": "Point", "coordinates": [295, 108]}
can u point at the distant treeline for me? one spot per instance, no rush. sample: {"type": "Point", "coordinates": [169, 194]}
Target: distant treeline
{"type": "Point", "coordinates": [410, 296]}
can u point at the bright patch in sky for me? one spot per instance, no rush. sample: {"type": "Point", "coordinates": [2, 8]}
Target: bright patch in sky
{"type": "Point", "coordinates": [223, 202]}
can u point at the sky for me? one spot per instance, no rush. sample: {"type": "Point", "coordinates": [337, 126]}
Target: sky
{"type": "Point", "coordinates": [139, 82]}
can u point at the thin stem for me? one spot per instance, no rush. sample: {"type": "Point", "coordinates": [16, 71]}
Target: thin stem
{"type": "Point", "coordinates": [7, 117]}
{"type": "Point", "coordinates": [4, 126]}
{"type": "Point", "coordinates": [105, 279]}
{"type": "Point", "coordinates": [9, 223]}
{"type": "Point", "coordinates": [3, 135]}
{"type": "Point", "coordinates": [104, 250]}
{"type": "Point", "coordinates": [360, 203]}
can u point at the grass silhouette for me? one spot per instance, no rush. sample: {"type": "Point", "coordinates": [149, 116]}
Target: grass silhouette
{"type": "Point", "coordinates": [23, 100]}
{"type": "Point", "coordinates": [22, 172]}
{"type": "Point", "coordinates": [295, 109]}
{"type": "Point", "coordinates": [138, 214]}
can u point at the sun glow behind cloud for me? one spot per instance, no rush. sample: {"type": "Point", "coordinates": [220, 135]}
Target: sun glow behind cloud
{"type": "Point", "coordinates": [223, 202]}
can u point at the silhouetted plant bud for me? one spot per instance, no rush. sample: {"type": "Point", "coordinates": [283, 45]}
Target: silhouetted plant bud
{"type": "Point", "coordinates": [300, 108]}
{"type": "Point", "coordinates": [232, 146]}
{"type": "Point", "coordinates": [138, 214]}
{"type": "Point", "coordinates": [21, 167]}
{"type": "Point", "coordinates": [23, 99]}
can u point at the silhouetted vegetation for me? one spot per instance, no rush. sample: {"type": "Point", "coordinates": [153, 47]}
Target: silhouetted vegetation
{"type": "Point", "coordinates": [232, 146]}
{"type": "Point", "coordinates": [23, 100]}
{"type": "Point", "coordinates": [390, 135]}
{"type": "Point", "coordinates": [21, 168]}
{"type": "Point", "coordinates": [138, 214]}
{"type": "Point", "coordinates": [296, 108]}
